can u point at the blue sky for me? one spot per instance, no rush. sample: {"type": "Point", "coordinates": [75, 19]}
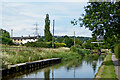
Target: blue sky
{"type": "Point", "coordinates": [21, 17]}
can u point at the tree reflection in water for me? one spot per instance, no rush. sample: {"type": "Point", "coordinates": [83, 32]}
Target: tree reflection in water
{"type": "Point", "coordinates": [77, 67]}
{"type": "Point", "coordinates": [47, 74]}
{"type": "Point", "coordinates": [74, 64]}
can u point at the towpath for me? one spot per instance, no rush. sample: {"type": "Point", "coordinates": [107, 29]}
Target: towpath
{"type": "Point", "coordinates": [116, 63]}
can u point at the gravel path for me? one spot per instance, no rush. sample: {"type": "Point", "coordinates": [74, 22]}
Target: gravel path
{"type": "Point", "coordinates": [116, 65]}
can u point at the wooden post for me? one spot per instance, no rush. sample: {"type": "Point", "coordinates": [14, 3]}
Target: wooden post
{"type": "Point", "coordinates": [53, 34]}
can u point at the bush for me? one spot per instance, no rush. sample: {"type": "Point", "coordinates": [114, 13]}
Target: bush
{"type": "Point", "coordinates": [77, 46]}
{"type": "Point", "coordinates": [57, 45]}
{"type": "Point", "coordinates": [39, 44]}
{"type": "Point", "coordinates": [72, 48]}
{"type": "Point", "coordinates": [44, 44]}
{"type": "Point", "coordinates": [117, 51]}
{"type": "Point", "coordinates": [48, 44]}
{"type": "Point", "coordinates": [79, 51]}
{"type": "Point", "coordinates": [6, 40]}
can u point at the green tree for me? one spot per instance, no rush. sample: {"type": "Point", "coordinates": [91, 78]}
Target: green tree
{"type": "Point", "coordinates": [68, 41]}
{"type": "Point", "coordinates": [103, 19]}
{"type": "Point", "coordinates": [79, 42]}
{"type": "Point", "coordinates": [5, 37]}
{"type": "Point", "coordinates": [89, 45]}
{"type": "Point", "coordinates": [47, 34]}
{"type": "Point", "coordinates": [4, 33]}
{"type": "Point", "coordinates": [40, 40]}
{"type": "Point", "coordinates": [60, 40]}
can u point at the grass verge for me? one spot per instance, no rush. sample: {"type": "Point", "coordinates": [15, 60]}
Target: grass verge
{"type": "Point", "coordinates": [107, 69]}
{"type": "Point", "coordinates": [21, 56]}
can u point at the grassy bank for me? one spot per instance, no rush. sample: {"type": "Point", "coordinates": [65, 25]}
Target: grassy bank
{"type": "Point", "coordinates": [10, 57]}
{"type": "Point", "coordinates": [107, 69]}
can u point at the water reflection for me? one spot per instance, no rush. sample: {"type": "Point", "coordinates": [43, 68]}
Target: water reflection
{"type": "Point", "coordinates": [86, 67]}
{"type": "Point", "coordinates": [47, 74]}
{"type": "Point", "coordinates": [78, 68]}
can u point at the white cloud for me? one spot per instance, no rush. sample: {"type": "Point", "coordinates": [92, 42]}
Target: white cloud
{"type": "Point", "coordinates": [21, 17]}
{"type": "Point", "coordinates": [45, 0]}
{"type": "Point", "coordinates": [79, 31]}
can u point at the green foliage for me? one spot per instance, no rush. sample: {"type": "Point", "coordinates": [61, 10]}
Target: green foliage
{"type": "Point", "coordinates": [57, 45]}
{"type": "Point", "coordinates": [78, 46]}
{"type": "Point", "coordinates": [106, 25]}
{"type": "Point", "coordinates": [79, 51]}
{"type": "Point", "coordinates": [72, 48]}
{"type": "Point", "coordinates": [78, 42]}
{"type": "Point", "coordinates": [44, 44]}
{"type": "Point", "coordinates": [68, 41]}
{"type": "Point", "coordinates": [5, 37]}
{"type": "Point", "coordinates": [40, 40]}
{"type": "Point", "coordinates": [60, 40]}
{"type": "Point", "coordinates": [117, 51]}
{"type": "Point", "coordinates": [6, 40]}
{"type": "Point", "coordinates": [82, 52]}
{"type": "Point", "coordinates": [86, 46]}
{"type": "Point", "coordinates": [48, 35]}
{"type": "Point", "coordinates": [89, 45]}
{"type": "Point", "coordinates": [39, 44]}
{"type": "Point", "coordinates": [33, 54]}
{"type": "Point", "coordinates": [4, 33]}
{"type": "Point", "coordinates": [30, 44]}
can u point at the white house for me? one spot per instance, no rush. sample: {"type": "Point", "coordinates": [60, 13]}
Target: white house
{"type": "Point", "coordinates": [23, 40]}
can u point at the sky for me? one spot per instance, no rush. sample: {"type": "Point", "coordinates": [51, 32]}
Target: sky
{"type": "Point", "coordinates": [21, 17]}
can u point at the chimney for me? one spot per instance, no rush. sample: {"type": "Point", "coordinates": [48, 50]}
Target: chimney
{"type": "Point", "coordinates": [11, 32]}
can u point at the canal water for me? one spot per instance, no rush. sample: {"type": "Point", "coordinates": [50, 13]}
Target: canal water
{"type": "Point", "coordinates": [86, 67]}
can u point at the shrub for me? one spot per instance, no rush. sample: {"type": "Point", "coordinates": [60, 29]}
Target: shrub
{"type": "Point", "coordinates": [44, 44]}
{"type": "Point", "coordinates": [77, 46]}
{"type": "Point", "coordinates": [39, 44]}
{"type": "Point", "coordinates": [49, 44]}
{"type": "Point", "coordinates": [72, 48]}
{"type": "Point", "coordinates": [57, 45]}
{"type": "Point", "coordinates": [79, 51]}
{"type": "Point", "coordinates": [6, 40]}
{"type": "Point", "coordinates": [117, 51]}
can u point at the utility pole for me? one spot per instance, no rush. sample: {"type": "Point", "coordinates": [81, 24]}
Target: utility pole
{"type": "Point", "coordinates": [52, 74]}
{"type": "Point", "coordinates": [74, 38]}
{"type": "Point", "coordinates": [11, 32]}
{"type": "Point", "coordinates": [53, 34]}
{"type": "Point", "coordinates": [74, 72]}
{"type": "Point", "coordinates": [36, 29]}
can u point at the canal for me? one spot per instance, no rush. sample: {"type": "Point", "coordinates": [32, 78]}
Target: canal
{"type": "Point", "coordinates": [86, 67]}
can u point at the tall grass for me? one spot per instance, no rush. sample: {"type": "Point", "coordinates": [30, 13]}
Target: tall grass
{"type": "Point", "coordinates": [21, 56]}
{"type": "Point", "coordinates": [83, 52]}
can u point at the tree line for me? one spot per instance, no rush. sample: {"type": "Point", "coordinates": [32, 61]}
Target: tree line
{"type": "Point", "coordinates": [103, 19]}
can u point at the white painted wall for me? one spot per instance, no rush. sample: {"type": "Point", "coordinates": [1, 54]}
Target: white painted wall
{"type": "Point", "coordinates": [28, 40]}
